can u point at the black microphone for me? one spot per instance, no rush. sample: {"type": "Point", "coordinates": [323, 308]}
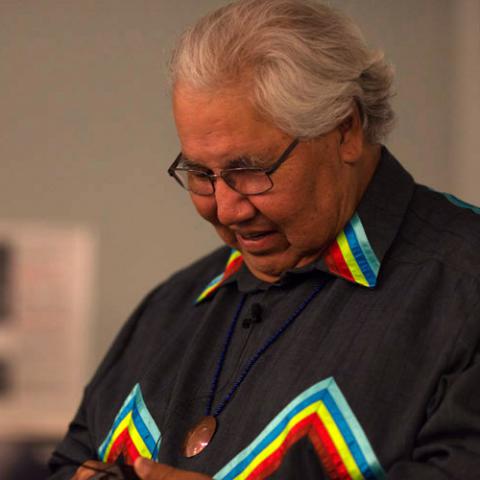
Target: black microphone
{"type": "Point", "coordinates": [255, 315]}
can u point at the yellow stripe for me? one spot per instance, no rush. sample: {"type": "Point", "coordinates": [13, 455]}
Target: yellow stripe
{"type": "Point", "coordinates": [138, 441]}
{"type": "Point", "coordinates": [275, 444]}
{"type": "Point", "coordinates": [120, 428]}
{"type": "Point", "coordinates": [207, 291]}
{"type": "Point", "coordinates": [350, 260]}
{"type": "Point", "coordinates": [233, 256]}
{"type": "Point", "coordinates": [127, 422]}
{"type": "Point", "coordinates": [339, 442]}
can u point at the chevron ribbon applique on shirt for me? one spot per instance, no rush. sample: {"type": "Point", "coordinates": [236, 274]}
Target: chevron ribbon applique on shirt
{"type": "Point", "coordinates": [322, 414]}
{"type": "Point", "coordinates": [134, 433]}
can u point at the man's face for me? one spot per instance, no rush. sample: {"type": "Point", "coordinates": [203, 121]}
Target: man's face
{"type": "Point", "coordinates": [286, 227]}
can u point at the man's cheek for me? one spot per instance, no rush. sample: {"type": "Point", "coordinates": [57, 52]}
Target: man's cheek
{"type": "Point", "coordinates": [205, 208]}
{"type": "Point", "coordinates": [227, 236]}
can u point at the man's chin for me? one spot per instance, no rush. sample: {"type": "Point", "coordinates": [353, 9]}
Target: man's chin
{"type": "Point", "coordinates": [266, 267]}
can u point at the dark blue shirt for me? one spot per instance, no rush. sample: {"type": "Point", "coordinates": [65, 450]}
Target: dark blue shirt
{"type": "Point", "coordinates": [377, 377]}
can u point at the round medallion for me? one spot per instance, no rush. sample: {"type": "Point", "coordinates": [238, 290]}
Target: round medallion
{"type": "Point", "coordinates": [199, 436]}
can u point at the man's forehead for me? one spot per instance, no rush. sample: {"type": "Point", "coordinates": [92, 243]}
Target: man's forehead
{"type": "Point", "coordinates": [185, 96]}
{"type": "Point", "coordinates": [230, 91]}
{"type": "Point", "coordinates": [210, 111]}
{"type": "Point", "coordinates": [221, 129]}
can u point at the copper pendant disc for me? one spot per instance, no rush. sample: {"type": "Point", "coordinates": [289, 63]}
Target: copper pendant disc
{"type": "Point", "coordinates": [199, 436]}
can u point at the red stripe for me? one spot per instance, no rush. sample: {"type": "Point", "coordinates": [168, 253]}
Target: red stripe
{"type": "Point", "coordinates": [301, 429]}
{"type": "Point", "coordinates": [123, 445]}
{"type": "Point", "coordinates": [320, 449]}
{"type": "Point", "coordinates": [132, 452]}
{"type": "Point", "coordinates": [332, 461]}
{"type": "Point", "coordinates": [324, 446]}
{"type": "Point", "coordinates": [232, 267]}
{"type": "Point", "coordinates": [117, 446]}
{"type": "Point", "coordinates": [270, 464]}
{"type": "Point", "coordinates": [336, 263]}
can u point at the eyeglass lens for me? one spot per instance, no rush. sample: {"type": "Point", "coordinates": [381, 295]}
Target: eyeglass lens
{"type": "Point", "coordinates": [247, 182]}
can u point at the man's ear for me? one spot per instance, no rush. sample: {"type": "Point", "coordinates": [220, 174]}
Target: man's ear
{"type": "Point", "coordinates": [352, 137]}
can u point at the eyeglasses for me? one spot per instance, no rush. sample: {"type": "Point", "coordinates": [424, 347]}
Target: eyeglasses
{"type": "Point", "coordinates": [244, 180]}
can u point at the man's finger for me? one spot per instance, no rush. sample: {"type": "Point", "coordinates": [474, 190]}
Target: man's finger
{"type": "Point", "coordinates": [148, 470]}
{"type": "Point", "coordinates": [91, 470]}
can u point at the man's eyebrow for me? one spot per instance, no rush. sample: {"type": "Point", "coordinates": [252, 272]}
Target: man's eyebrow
{"type": "Point", "coordinates": [187, 163]}
{"type": "Point", "coordinates": [242, 161]}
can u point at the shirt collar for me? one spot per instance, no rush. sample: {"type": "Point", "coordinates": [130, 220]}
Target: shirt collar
{"type": "Point", "coordinates": [234, 262]}
{"type": "Point", "coordinates": [357, 253]}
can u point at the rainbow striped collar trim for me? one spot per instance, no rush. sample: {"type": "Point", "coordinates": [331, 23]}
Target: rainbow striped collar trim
{"type": "Point", "coordinates": [234, 263]}
{"type": "Point", "coordinates": [350, 256]}
{"type": "Point", "coordinates": [322, 414]}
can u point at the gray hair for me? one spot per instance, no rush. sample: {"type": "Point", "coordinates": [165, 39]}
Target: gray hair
{"type": "Point", "coordinates": [304, 65]}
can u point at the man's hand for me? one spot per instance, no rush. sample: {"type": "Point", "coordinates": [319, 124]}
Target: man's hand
{"type": "Point", "coordinates": [145, 469]}
{"type": "Point", "coordinates": [148, 470]}
{"type": "Point", "coordinates": [90, 469]}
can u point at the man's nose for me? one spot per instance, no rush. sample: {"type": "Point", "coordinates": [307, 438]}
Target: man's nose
{"type": "Point", "coordinates": [232, 207]}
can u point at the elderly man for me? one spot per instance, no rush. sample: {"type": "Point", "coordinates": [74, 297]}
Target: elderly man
{"type": "Point", "coordinates": [336, 335]}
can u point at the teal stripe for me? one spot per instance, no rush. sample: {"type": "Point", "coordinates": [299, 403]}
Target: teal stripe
{"type": "Point", "coordinates": [357, 430]}
{"type": "Point", "coordinates": [365, 244]}
{"type": "Point", "coordinates": [360, 258]}
{"type": "Point", "coordinates": [216, 280]}
{"type": "Point", "coordinates": [149, 423]}
{"type": "Point", "coordinates": [460, 203]}
{"type": "Point", "coordinates": [348, 436]}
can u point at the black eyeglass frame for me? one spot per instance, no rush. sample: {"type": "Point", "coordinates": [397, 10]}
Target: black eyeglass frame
{"type": "Point", "coordinates": [224, 173]}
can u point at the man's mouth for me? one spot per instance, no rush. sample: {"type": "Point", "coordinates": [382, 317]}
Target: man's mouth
{"type": "Point", "coordinates": [258, 242]}
{"type": "Point", "coordinates": [254, 235]}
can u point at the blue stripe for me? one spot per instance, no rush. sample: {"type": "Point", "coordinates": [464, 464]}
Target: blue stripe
{"type": "Point", "coordinates": [124, 411]}
{"type": "Point", "coordinates": [359, 434]}
{"type": "Point", "coordinates": [359, 256]}
{"type": "Point", "coordinates": [348, 436]}
{"type": "Point", "coordinates": [365, 244]}
{"type": "Point", "coordinates": [218, 279]}
{"type": "Point", "coordinates": [142, 420]}
{"type": "Point", "coordinates": [143, 430]}
{"type": "Point", "coordinates": [149, 424]}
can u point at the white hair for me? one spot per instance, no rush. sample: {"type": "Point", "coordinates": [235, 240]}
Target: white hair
{"type": "Point", "coordinates": [304, 65]}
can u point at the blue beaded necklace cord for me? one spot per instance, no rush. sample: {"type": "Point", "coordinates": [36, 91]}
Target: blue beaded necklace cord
{"type": "Point", "coordinates": [255, 357]}
{"type": "Point", "coordinates": [221, 360]}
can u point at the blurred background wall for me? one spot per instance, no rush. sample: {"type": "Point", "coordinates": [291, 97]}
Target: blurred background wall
{"type": "Point", "coordinates": [86, 132]}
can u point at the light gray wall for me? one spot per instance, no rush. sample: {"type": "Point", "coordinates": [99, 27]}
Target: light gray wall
{"type": "Point", "coordinates": [86, 132]}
